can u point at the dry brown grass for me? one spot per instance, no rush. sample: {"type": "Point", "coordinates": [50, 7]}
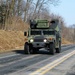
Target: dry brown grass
{"type": "Point", "coordinates": [64, 41]}
{"type": "Point", "coordinates": [16, 24]}
{"type": "Point", "coordinates": [13, 34]}
{"type": "Point", "coordinates": [10, 39]}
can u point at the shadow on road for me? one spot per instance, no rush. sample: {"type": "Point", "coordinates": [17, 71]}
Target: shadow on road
{"type": "Point", "coordinates": [43, 52]}
{"type": "Point", "coordinates": [39, 52]}
{"type": "Point", "coordinates": [19, 51]}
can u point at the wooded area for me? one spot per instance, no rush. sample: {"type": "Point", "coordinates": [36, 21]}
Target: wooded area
{"type": "Point", "coordinates": [15, 15]}
{"type": "Point", "coordinates": [24, 10]}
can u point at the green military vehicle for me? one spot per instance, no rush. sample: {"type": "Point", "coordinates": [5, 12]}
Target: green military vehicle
{"type": "Point", "coordinates": [43, 34]}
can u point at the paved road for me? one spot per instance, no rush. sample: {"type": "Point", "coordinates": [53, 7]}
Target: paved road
{"type": "Point", "coordinates": [17, 63]}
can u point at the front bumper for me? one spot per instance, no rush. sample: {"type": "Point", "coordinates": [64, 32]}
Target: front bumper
{"type": "Point", "coordinates": [39, 44]}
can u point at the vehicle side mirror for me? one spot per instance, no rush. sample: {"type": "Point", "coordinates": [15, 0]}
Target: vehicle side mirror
{"type": "Point", "coordinates": [25, 33]}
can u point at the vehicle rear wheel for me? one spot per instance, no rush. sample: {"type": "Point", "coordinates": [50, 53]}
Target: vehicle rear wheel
{"type": "Point", "coordinates": [58, 50]}
{"type": "Point", "coordinates": [52, 48]}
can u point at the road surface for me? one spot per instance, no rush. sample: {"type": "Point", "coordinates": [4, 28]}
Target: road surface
{"type": "Point", "coordinates": [42, 63]}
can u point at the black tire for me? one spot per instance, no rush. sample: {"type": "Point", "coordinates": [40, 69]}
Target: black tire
{"type": "Point", "coordinates": [58, 50]}
{"type": "Point", "coordinates": [26, 49]}
{"type": "Point", "coordinates": [52, 48]}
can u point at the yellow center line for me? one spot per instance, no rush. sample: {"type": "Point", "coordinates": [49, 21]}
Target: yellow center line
{"type": "Point", "coordinates": [50, 66]}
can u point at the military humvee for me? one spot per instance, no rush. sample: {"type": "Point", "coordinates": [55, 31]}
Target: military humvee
{"type": "Point", "coordinates": [43, 34]}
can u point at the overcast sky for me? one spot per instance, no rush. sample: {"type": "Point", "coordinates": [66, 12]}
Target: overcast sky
{"type": "Point", "coordinates": [67, 10]}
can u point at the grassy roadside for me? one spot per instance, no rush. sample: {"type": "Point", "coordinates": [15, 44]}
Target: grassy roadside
{"type": "Point", "coordinates": [10, 40]}
{"type": "Point", "coordinates": [64, 41]}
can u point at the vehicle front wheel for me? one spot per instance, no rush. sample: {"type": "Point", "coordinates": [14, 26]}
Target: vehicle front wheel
{"type": "Point", "coordinates": [52, 48]}
{"type": "Point", "coordinates": [26, 49]}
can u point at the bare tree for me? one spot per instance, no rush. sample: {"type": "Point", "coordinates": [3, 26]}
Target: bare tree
{"type": "Point", "coordinates": [26, 9]}
{"type": "Point", "coordinates": [40, 4]}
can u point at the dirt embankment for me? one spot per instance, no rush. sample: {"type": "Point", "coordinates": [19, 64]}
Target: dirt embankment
{"type": "Point", "coordinates": [10, 40]}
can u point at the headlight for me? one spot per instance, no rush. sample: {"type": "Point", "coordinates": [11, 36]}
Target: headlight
{"type": "Point", "coordinates": [31, 40]}
{"type": "Point", "coordinates": [45, 40]}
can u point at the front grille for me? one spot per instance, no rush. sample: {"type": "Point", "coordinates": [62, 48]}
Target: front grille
{"type": "Point", "coordinates": [38, 40]}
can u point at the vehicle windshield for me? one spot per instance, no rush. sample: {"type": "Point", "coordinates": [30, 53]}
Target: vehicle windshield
{"type": "Point", "coordinates": [48, 32]}
{"type": "Point", "coordinates": [35, 32]}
